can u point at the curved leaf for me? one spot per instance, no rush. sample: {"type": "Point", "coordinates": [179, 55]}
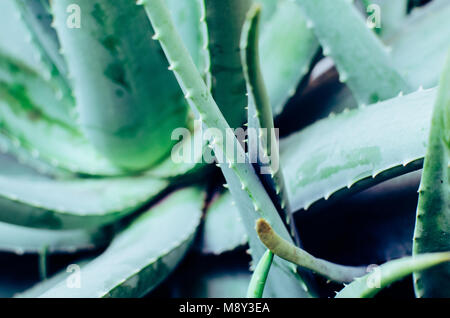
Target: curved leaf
{"type": "Point", "coordinates": [386, 274]}
{"type": "Point", "coordinates": [432, 232]}
{"type": "Point", "coordinates": [128, 102]}
{"type": "Point", "coordinates": [225, 20]}
{"type": "Point", "coordinates": [350, 151]}
{"type": "Point", "coordinates": [258, 281]}
{"type": "Point", "coordinates": [30, 199]}
{"type": "Point", "coordinates": [143, 254]}
{"type": "Point", "coordinates": [20, 240]}
{"type": "Point", "coordinates": [33, 119]}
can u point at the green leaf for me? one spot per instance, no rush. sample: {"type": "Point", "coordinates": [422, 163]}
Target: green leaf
{"type": "Point", "coordinates": [262, 140]}
{"type": "Point", "coordinates": [33, 119]}
{"type": "Point", "coordinates": [360, 57]}
{"type": "Point", "coordinates": [432, 232]}
{"type": "Point", "coordinates": [128, 102]}
{"type": "Point", "coordinates": [225, 20]}
{"type": "Point", "coordinates": [30, 199]}
{"type": "Point", "coordinates": [388, 273]}
{"type": "Point", "coordinates": [349, 152]}
{"type": "Point", "coordinates": [20, 240]}
{"type": "Point", "coordinates": [143, 254]}
{"type": "Point", "coordinates": [38, 19]}
{"type": "Point", "coordinates": [16, 38]}
{"type": "Point", "coordinates": [188, 18]}
{"type": "Point", "coordinates": [223, 230]}
{"type": "Point", "coordinates": [258, 281]}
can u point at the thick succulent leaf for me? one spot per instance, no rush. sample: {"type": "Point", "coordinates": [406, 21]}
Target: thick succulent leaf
{"type": "Point", "coordinates": [15, 37]}
{"type": "Point", "coordinates": [18, 79]}
{"type": "Point", "coordinates": [20, 240]}
{"type": "Point", "coordinates": [223, 230]}
{"type": "Point", "coordinates": [33, 118]}
{"type": "Point", "coordinates": [30, 199]}
{"type": "Point", "coordinates": [285, 63]}
{"type": "Point", "coordinates": [388, 273]}
{"type": "Point", "coordinates": [32, 42]}
{"type": "Point", "coordinates": [259, 277]}
{"type": "Point", "coordinates": [188, 16]}
{"type": "Point", "coordinates": [362, 61]}
{"type": "Point", "coordinates": [432, 232]}
{"type": "Point", "coordinates": [225, 20]}
{"type": "Point", "coordinates": [128, 102]}
{"type": "Point", "coordinates": [349, 151]}
{"type": "Point", "coordinates": [37, 17]}
{"type": "Point", "coordinates": [143, 254]}
{"type": "Point", "coordinates": [418, 50]}
{"type": "Point", "coordinates": [262, 140]}
{"type": "Point", "coordinates": [244, 184]}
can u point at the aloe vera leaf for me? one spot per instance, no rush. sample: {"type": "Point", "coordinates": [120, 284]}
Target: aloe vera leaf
{"type": "Point", "coordinates": [225, 20]}
{"type": "Point", "coordinates": [21, 78]}
{"type": "Point", "coordinates": [285, 64]}
{"type": "Point", "coordinates": [363, 62]}
{"type": "Point", "coordinates": [260, 118]}
{"type": "Point", "coordinates": [315, 168]}
{"type": "Point", "coordinates": [32, 118]}
{"type": "Point", "coordinates": [259, 277]}
{"type": "Point", "coordinates": [187, 16]}
{"type": "Point", "coordinates": [432, 231]}
{"type": "Point", "coordinates": [245, 186]}
{"type": "Point", "coordinates": [143, 254]}
{"type": "Point", "coordinates": [30, 199]}
{"type": "Point", "coordinates": [73, 203]}
{"type": "Point", "coordinates": [418, 50]}
{"type": "Point", "coordinates": [44, 40]}
{"type": "Point", "coordinates": [37, 17]}
{"type": "Point", "coordinates": [223, 230]}
{"type": "Point", "coordinates": [293, 254]}
{"type": "Point", "coordinates": [19, 40]}
{"type": "Point", "coordinates": [388, 273]}
{"type": "Point", "coordinates": [16, 37]}
{"type": "Point", "coordinates": [127, 100]}
{"type": "Point", "coordinates": [20, 240]}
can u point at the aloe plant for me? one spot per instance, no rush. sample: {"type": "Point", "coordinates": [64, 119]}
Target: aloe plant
{"type": "Point", "coordinates": [99, 99]}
